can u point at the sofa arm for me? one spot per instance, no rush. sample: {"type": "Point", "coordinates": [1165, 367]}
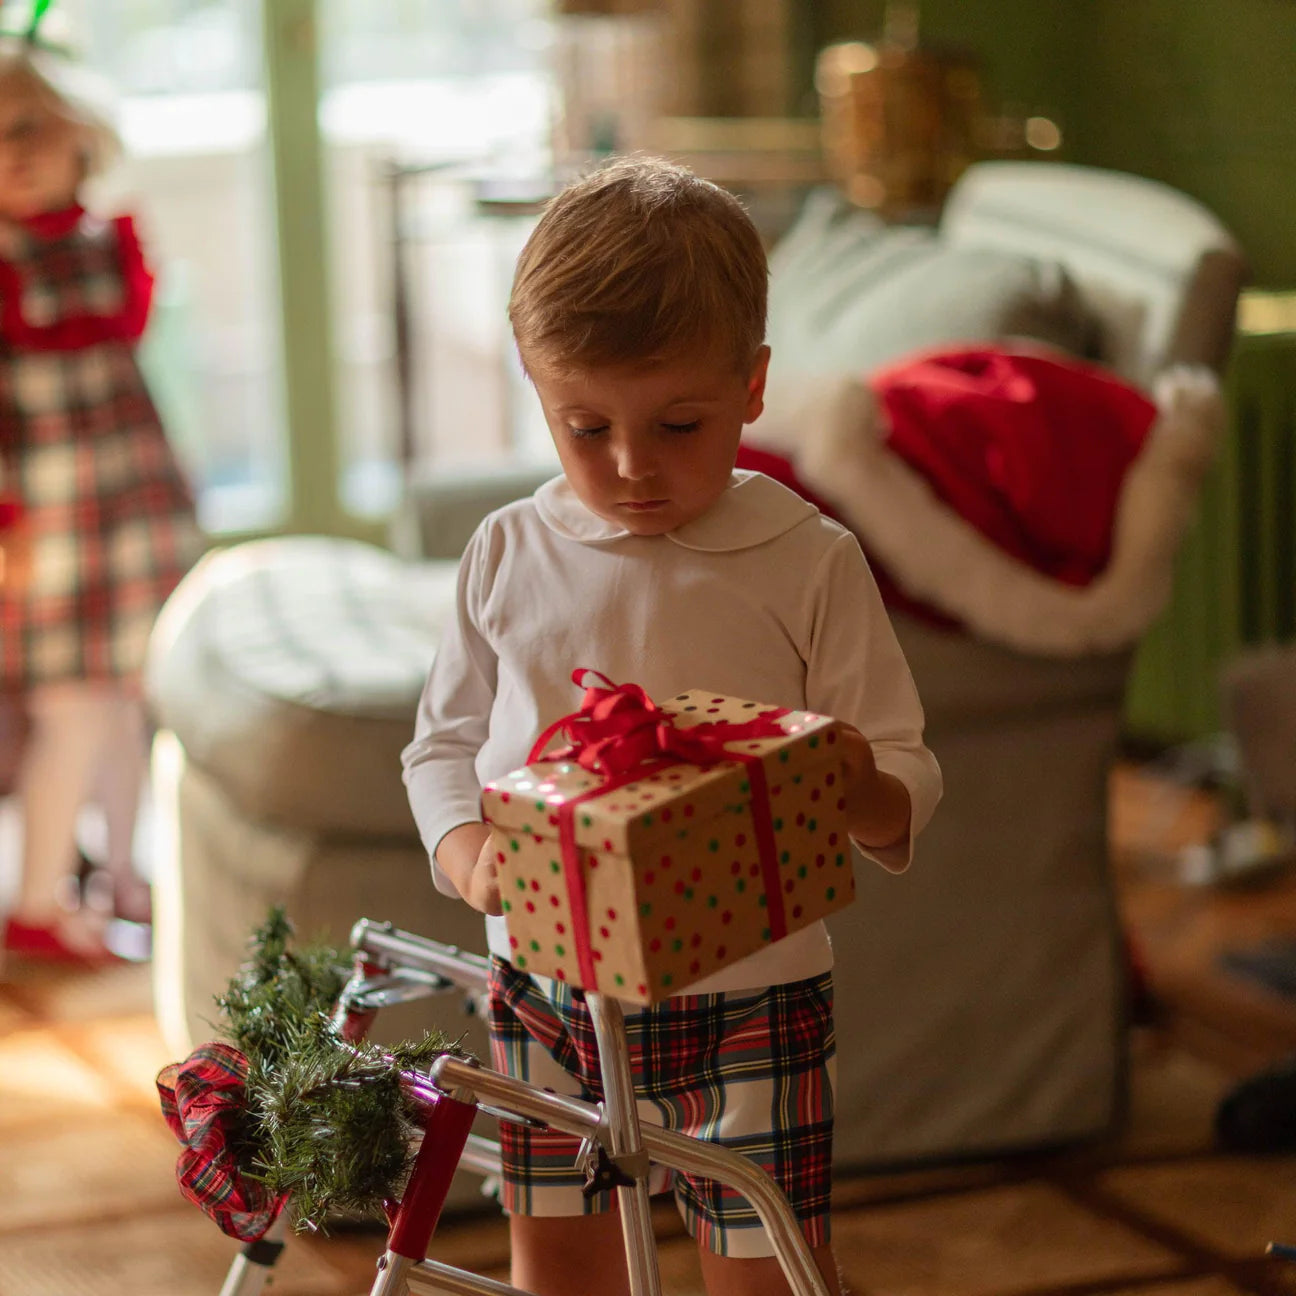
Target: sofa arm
{"type": "Point", "coordinates": [440, 511]}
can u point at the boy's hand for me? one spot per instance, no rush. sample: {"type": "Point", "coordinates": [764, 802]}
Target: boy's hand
{"type": "Point", "coordinates": [877, 804]}
{"type": "Point", "coordinates": [467, 855]}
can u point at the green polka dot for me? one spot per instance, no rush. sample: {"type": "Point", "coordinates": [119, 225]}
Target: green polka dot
{"type": "Point", "coordinates": [645, 909]}
{"type": "Point", "coordinates": [712, 901]}
{"type": "Point", "coordinates": [526, 828]}
{"type": "Point", "coordinates": [762, 902]}
{"type": "Point", "coordinates": [507, 906]}
{"type": "Point", "coordinates": [540, 805]}
{"type": "Point", "coordinates": [841, 859]}
{"type": "Point", "coordinates": [667, 979]}
{"type": "Point", "coordinates": [688, 893]}
{"type": "Point", "coordinates": [646, 821]}
{"type": "Point", "coordinates": [713, 844]}
{"type": "Point", "coordinates": [814, 742]}
{"type": "Point", "coordinates": [784, 856]}
{"type": "Point", "coordinates": [812, 824]}
{"type": "Point", "coordinates": [765, 933]}
{"type": "Point", "coordinates": [521, 884]}
{"type": "Point", "coordinates": [682, 833]}
{"type": "Point", "coordinates": [619, 979]}
{"type": "Point", "coordinates": [514, 844]}
{"type": "Point", "coordinates": [559, 950]}
{"type": "Point", "coordinates": [802, 871]}
{"type": "Point", "coordinates": [520, 960]}
{"type": "Point", "coordinates": [744, 786]}
{"type": "Point", "coordinates": [778, 825]}
{"type": "Point", "coordinates": [554, 866]}
{"type": "Point", "coordinates": [535, 947]}
{"type": "Point", "coordinates": [677, 945]}
{"type": "Point", "coordinates": [785, 756]}
{"type": "Point", "coordinates": [831, 893]}
{"type": "Point", "coordinates": [586, 821]}
{"type": "Point", "coordinates": [741, 885]}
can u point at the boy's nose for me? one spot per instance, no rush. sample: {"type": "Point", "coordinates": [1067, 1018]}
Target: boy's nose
{"type": "Point", "coordinates": [635, 461]}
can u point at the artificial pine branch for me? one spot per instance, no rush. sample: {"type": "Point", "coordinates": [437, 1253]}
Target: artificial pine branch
{"type": "Point", "coordinates": [328, 1123]}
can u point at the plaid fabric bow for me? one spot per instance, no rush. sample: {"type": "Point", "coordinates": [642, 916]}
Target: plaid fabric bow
{"type": "Point", "coordinates": [202, 1100]}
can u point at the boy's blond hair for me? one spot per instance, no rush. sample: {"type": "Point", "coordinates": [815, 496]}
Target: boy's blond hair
{"type": "Point", "coordinates": [639, 262]}
{"type": "Point", "coordinates": [74, 92]}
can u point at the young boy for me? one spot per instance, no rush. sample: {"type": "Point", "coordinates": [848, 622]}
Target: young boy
{"type": "Point", "coordinates": [638, 307]}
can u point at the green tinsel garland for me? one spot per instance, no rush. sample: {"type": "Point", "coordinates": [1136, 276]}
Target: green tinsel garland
{"type": "Point", "coordinates": [327, 1122]}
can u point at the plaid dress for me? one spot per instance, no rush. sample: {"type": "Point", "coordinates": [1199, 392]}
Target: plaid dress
{"type": "Point", "coordinates": [110, 516]}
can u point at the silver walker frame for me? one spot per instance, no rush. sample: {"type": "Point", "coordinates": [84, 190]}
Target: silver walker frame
{"type": "Point", "coordinates": [394, 966]}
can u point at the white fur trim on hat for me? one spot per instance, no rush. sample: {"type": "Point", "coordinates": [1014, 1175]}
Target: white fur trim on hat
{"type": "Point", "coordinates": [835, 442]}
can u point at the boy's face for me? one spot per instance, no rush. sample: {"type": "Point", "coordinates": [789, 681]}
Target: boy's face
{"type": "Point", "coordinates": [649, 448]}
{"type": "Point", "coordinates": [41, 160]}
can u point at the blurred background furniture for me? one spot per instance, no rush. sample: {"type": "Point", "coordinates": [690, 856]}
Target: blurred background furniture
{"type": "Point", "coordinates": [980, 997]}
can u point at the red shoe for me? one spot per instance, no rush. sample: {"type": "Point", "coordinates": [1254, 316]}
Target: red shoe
{"type": "Point", "coordinates": [50, 945]}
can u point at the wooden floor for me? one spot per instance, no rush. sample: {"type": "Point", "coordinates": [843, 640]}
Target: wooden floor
{"type": "Point", "coordinates": [88, 1205]}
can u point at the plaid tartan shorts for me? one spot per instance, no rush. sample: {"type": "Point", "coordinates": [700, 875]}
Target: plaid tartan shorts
{"type": "Point", "coordinates": [752, 1070]}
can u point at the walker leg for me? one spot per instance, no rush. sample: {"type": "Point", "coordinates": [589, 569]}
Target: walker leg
{"type": "Point", "coordinates": [626, 1144]}
{"type": "Point", "coordinates": [252, 1266]}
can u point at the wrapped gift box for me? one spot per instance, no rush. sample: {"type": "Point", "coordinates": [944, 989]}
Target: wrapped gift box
{"type": "Point", "coordinates": [662, 866]}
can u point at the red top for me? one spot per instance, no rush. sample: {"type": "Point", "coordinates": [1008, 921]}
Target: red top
{"type": "Point", "coordinates": [73, 332]}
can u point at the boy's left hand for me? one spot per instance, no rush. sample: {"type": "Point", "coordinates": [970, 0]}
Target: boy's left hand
{"type": "Point", "coordinates": [877, 803]}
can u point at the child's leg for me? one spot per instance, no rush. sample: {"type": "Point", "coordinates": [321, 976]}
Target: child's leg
{"type": "Point", "coordinates": [727, 1276]}
{"type": "Point", "coordinates": [569, 1256]}
{"type": "Point", "coordinates": [119, 783]}
{"type": "Point", "coordinates": [69, 724]}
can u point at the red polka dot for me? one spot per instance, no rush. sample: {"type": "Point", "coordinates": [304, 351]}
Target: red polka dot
{"type": "Point", "coordinates": [666, 861]}
{"type": "Point", "coordinates": [561, 975]}
{"type": "Point", "coordinates": [697, 940]}
{"type": "Point", "coordinates": [721, 951]}
{"type": "Point", "coordinates": [788, 885]}
{"type": "Point", "coordinates": [560, 928]}
{"type": "Point", "coordinates": [688, 812]}
{"type": "Point", "coordinates": [530, 908]}
{"type": "Point", "coordinates": [607, 845]}
{"type": "Point", "coordinates": [535, 886]}
{"type": "Point", "coordinates": [754, 871]}
{"type": "Point", "coordinates": [695, 967]}
{"type": "Point", "coordinates": [535, 837]}
{"type": "Point", "coordinates": [642, 989]}
{"type": "Point", "coordinates": [504, 797]}
{"type": "Point", "coordinates": [832, 736]}
{"type": "Point", "coordinates": [832, 839]}
{"type": "Point", "coordinates": [513, 942]}
{"type": "Point", "coordinates": [654, 944]}
{"type": "Point", "coordinates": [819, 861]}
{"type": "Point", "coordinates": [593, 861]}
{"type": "Point", "coordinates": [553, 900]}
{"type": "Point", "coordinates": [598, 956]}
{"type": "Point", "coordinates": [649, 878]}
{"type": "Point", "coordinates": [736, 867]}
{"type": "Point", "coordinates": [841, 803]}
{"type": "Point", "coordinates": [830, 780]}
{"type": "Point", "coordinates": [553, 821]}
{"type": "Point", "coordinates": [696, 875]}
{"type": "Point", "coordinates": [741, 839]}
{"type": "Point", "coordinates": [500, 857]}
{"type": "Point", "coordinates": [603, 931]}
{"type": "Point", "coordinates": [800, 819]}
{"type": "Point", "coordinates": [776, 789]}
{"type": "Point", "coordinates": [679, 887]}
{"type": "Point", "coordinates": [726, 917]}
{"type": "Point", "coordinates": [814, 796]}
{"type": "Point", "coordinates": [669, 924]}
{"type": "Point", "coordinates": [611, 915]}
{"type": "Point", "coordinates": [666, 816]}
{"type": "Point", "coordinates": [796, 911]}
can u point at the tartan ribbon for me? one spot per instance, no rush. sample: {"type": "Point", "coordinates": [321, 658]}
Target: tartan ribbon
{"type": "Point", "coordinates": [203, 1101]}
{"type": "Point", "coordinates": [620, 732]}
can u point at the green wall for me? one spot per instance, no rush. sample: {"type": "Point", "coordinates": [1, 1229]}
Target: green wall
{"type": "Point", "coordinates": [1198, 93]}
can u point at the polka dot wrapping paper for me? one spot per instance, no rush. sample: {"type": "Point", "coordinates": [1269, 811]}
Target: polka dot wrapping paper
{"type": "Point", "coordinates": [679, 869]}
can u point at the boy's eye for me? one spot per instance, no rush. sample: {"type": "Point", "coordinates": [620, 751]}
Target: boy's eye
{"type": "Point", "coordinates": [682, 427]}
{"type": "Point", "coordinates": [587, 431]}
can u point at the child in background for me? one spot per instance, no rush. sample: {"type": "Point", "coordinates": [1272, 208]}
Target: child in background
{"type": "Point", "coordinates": [638, 308]}
{"type": "Point", "coordinates": [96, 521]}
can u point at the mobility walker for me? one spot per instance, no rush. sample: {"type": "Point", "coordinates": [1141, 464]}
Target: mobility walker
{"type": "Point", "coordinates": [393, 966]}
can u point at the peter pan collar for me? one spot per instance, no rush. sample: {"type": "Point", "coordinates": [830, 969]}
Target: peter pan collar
{"type": "Point", "coordinates": [753, 509]}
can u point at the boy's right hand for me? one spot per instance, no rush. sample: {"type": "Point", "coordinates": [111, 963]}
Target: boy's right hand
{"type": "Point", "coordinates": [467, 856]}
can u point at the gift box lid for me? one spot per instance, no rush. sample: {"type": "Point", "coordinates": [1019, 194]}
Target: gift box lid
{"type": "Point", "coordinates": [659, 801]}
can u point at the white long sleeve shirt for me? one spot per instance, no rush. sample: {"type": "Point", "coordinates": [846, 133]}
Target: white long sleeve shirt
{"type": "Point", "coordinates": [761, 598]}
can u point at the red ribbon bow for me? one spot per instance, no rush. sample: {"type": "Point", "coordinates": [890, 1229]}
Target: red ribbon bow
{"type": "Point", "coordinates": [204, 1101]}
{"type": "Point", "coordinates": [619, 731]}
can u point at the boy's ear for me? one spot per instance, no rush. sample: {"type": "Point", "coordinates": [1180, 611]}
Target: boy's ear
{"type": "Point", "coordinates": [756, 386]}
